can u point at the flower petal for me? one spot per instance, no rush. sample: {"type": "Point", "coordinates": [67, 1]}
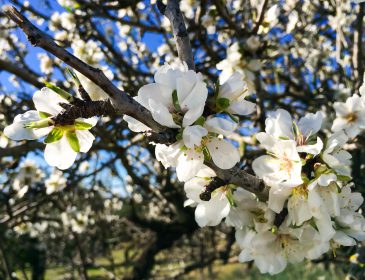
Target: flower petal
{"type": "Point", "coordinates": [192, 135]}
{"type": "Point", "coordinates": [188, 164]}
{"type": "Point", "coordinates": [135, 125]}
{"type": "Point", "coordinates": [46, 100]}
{"type": "Point", "coordinates": [60, 154]}
{"type": "Point", "coordinates": [161, 114]}
{"type": "Point", "coordinates": [220, 126]}
{"type": "Point", "coordinates": [310, 124]}
{"type": "Point", "coordinates": [86, 140]}
{"type": "Point", "coordinates": [223, 153]}
{"type": "Point", "coordinates": [16, 130]}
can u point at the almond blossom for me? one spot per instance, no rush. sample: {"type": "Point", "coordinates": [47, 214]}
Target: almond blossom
{"type": "Point", "coordinates": [207, 213]}
{"type": "Point", "coordinates": [232, 94]}
{"type": "Point", "coordinates": [63, 141]}
{"type": "Point", "coordinates": [350, 116]}
{"type": "Point", "coordinates": [281, 126]}
{"type": "Point", "coordinates": [199, 142]}
{"type": "Point", "coordinates": [176, 99]}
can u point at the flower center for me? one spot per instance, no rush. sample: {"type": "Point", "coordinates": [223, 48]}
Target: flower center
{"type": "Point", "coordinates": [286, 164]}
{"type": "Point", "coordinates": [352, 117]}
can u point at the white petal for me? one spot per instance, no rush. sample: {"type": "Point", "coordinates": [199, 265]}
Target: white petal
{"type": "Point", "coordinates": [161, 114]}
{"type": "Point", "coordinates": [135, 125]}
{"type": "Point", "coordinates": [343, 239]}
{"type": "Point", "coordinates": [93, 121]}
{"type": "Point", "coordinates": [242, 107]}
{"type": "Point", "coordinates": [310, 124]}
{"type": "Point", "coordinates": [192, 115]}
{"type": "Point", "coordinates": [156, 92]}
{"type": "Point", "coordinates": [60, 154]}
{"type": "Point", "coordinates": [267, 141]}
{"type": "Point", "coordinates": [280, 124]}
{"type": "Point", "coordinates": [168, 76]}
{"type": "Point", "coordinates": [220, 126]}
{"type": "Point", "coordinates": [212, 212]}
{"type": "Point", "coordinates": [194, 187]}
{"type": "Point", "coordinates": [277, 199]}
{"type": "Point", "coordinates": [16, 130]}
{"type": "Point", "coordinates": [192, 135]}
{"type": "Point", "coordinates": [188, 165]}
{"type": "Point", "coordinates": [184, 85]}
{"type": "Point", "coordinates": [86, 140]}
{"type": "Point", "coordinates": [314, 149]}
{"type": "Point", "coordinates": [223, 153]}
{"type": "Point", "coordinates": [264, 165]}
{"type": "Point", "coordinates": [168, 155]}
{"type": "Point", "coordinates": [196, 97]}
{"type": "Point", "coordinates": [46, 100]}
{"type": "Point", "coordinates": [233, 87]}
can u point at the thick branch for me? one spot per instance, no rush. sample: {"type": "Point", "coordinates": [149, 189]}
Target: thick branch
{"type": "Point", "coordinates": [83, 109]}
{"type": "Point", "coordinates": [122, 102]}
{"type": "Point", "coordinates": [173, 13]}
{"type": "Point", "coordinates": [242, 179]}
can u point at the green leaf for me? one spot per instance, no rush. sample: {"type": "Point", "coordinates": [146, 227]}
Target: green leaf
{"type": "Point", "coordinates": [343, 178]}
{"type": "Point", "coordinates": [179, 136]}
{"type": "Point", "coordinates": [230, 198]}
{"type": "Point", "coordinates": [175, 101]}
{"type": "Point", "coordinates": [222, 103]}
{"type": "Point", "coordinates": [207, 156]}
{"type": "Point", "coordinates": [55, 135]}
{"type": "Point", "coordinates": [296, 129]}
{"type": "Point", "coordinates": [74, 76]}
{"type": "Point", "coordinates": [73, 140]}
{"type": "Point", "coordinates": [60, 92]}
{"type": "Point", "coordinates": [80, 125]}
{"type": "Point", "coordinates": [39, 124]}
{"type": "Point", "coordinates": [44, 115]}
{"type": "Point", "coordinates": [200, 121]}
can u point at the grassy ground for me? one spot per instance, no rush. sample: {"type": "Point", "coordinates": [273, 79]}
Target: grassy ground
{"type": "Point", "coordinates": [304, 271]}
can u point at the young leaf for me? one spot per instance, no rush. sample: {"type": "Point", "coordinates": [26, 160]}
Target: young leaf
{"type": "Point", "coordinates": [60, 92]}
{"type": "Point", "coordinates": [44, 115]}
{"type": "Point", "coordinates": [55, 135]}
{"type": "Point", "coordinates": [230, 198]}
{"type": "Point", "coordinates": [80, 125]}
{"type": "Point", "coordinates": [39, 124]}
{"type": "Point", "coordinates": [200, 121]}
{"type": "Point", "coordinates": [222, 103]}
{"type": "Point", "coordinates": [175, 101]}
{"type": "Point", "coordinates": [74, 76]}
{"type": "Point", "coordinates": [73, 140]}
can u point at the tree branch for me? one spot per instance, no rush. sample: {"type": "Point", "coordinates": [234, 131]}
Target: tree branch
{"type": "Point", "coordinates": [121, 101]}
{"type": "Point", "coordinates": [173, 13]}
{"type": "Point", "coordinates": [124, 103]}
{"type": "Point", "coordinates": [25, 75]}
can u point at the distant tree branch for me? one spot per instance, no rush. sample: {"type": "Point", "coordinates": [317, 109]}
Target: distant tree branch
{"type": "Point", "coordinates": [173, 13]}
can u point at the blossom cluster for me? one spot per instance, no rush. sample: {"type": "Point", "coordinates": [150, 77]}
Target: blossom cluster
{"type": "Point", "coordinates": [310, 207]}
{"type": "Point", "coordinates": [177, 100]}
